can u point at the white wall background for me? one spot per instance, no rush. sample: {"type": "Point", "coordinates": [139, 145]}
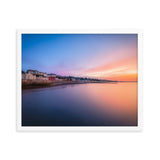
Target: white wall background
{"type": "Point", "coordinates": [70, 14]}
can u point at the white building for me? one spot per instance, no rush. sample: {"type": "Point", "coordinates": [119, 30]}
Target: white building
{"type": "Point", "coordinates": [45, 75]}
{"type": "Point", "coordinates": [30, 76]}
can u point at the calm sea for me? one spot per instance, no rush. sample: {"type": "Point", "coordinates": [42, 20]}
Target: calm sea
{"type": "Point", "coordinates": [94, 104]}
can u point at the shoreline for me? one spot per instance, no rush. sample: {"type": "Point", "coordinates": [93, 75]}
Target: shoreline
{"type": "Point", "coordinates": [46, 84]}
{"type": "Point", "coordinates": [34, 85]}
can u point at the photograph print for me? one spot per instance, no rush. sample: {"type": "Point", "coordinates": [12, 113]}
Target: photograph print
{"type": "Point", "coordinates": [79, 79]}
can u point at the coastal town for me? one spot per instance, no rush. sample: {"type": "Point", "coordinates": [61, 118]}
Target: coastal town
{"type": "Point", "coordinates": [34, 78]}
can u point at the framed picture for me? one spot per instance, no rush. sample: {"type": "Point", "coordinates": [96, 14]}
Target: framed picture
{"type": "Point", "coordinates": [79, 80]}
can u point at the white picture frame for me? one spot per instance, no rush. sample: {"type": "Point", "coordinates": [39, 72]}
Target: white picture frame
{"type": "Point", "coordinates": [19, 127]}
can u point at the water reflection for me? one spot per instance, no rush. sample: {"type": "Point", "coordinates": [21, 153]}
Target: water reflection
{"type": "Point", "coordinates": [100, 104]}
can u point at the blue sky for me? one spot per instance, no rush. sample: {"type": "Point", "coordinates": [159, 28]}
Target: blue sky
{"type": "Point", "coordinates": [72, 54]}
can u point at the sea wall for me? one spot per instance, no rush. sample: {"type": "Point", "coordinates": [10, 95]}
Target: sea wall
{"type": "Point", "coordinates": [36, 83]}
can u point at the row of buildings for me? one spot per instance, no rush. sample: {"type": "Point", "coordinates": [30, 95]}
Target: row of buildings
{"type": "Point", "coordinates": [36, 75]}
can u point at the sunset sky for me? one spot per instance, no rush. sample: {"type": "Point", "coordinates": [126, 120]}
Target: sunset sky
{"type": "Point", "coordinates": [103, 56]}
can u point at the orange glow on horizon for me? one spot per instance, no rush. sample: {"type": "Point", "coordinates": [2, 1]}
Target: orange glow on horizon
{"type": "Point", "coordinates": [124, 70]}
{"type": "Point", "coordinates": [124, 77]}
